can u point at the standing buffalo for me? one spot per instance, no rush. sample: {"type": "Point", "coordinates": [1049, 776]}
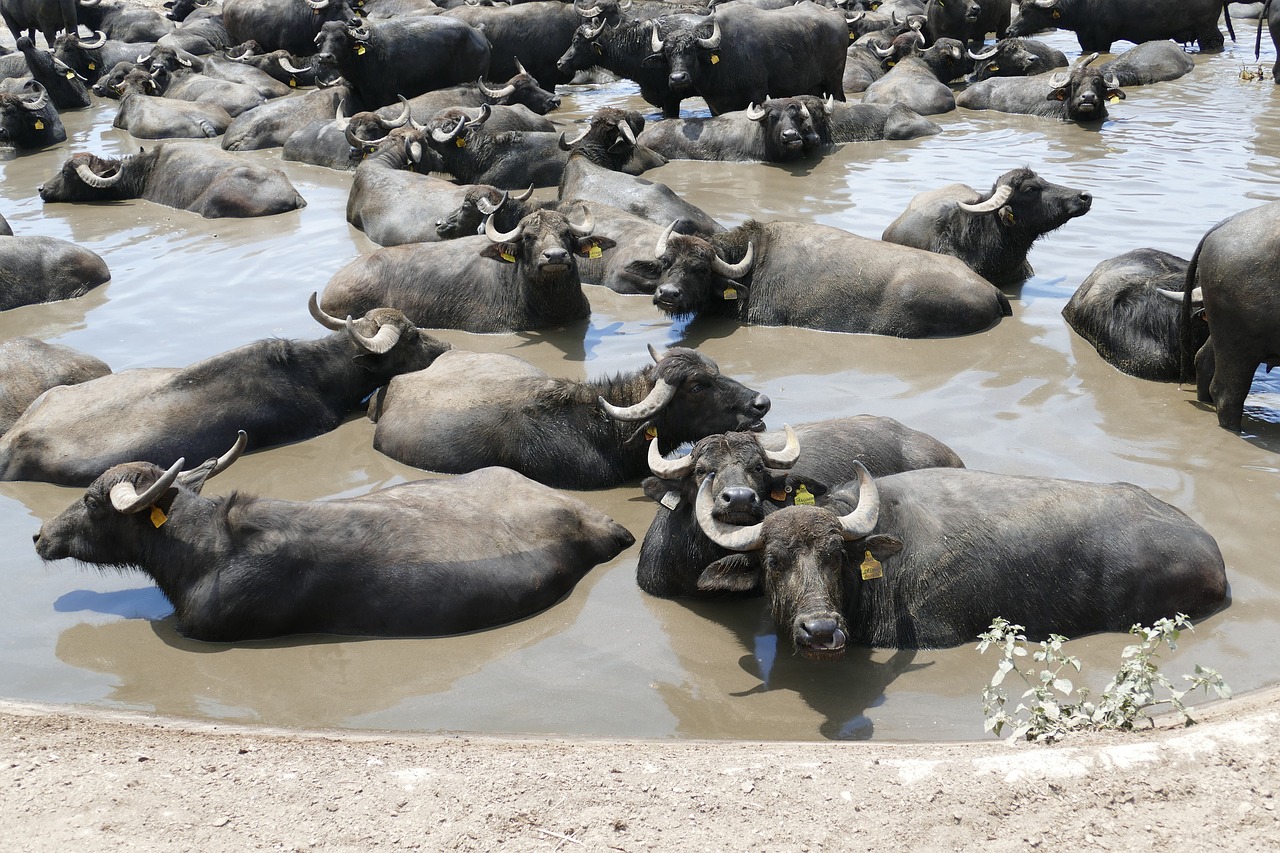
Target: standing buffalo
{"type": "Point", "coordinates": [1234, 273]}
{"type": "Point", "coordinates": [561, 432]}
{"type": "Point", "coordinates": [1125, 311]}
{"type": "Point", "coordinates": [823, 278]}
{"type": "Point", "coordinates": [523, 279]}
{"type": "Point", "coordinates": [1098, 23]}
{"type": "Point", "coordinates": [928, 558]}
{"type": "Point", "coordinates": [991, 232]}
{"type": "Point", "coordinates": [749, 481]}
{"type": "Point", "coordinates": [290, 25]}
{"type": "Point", "coordinates": [279, 390]}
{"type": "Point", "coordinates": [1080, 95]}
{"type": "Point", "coordinates": [48, 17]}
{"type": "Point", "coordinates": [425, 558]}
{"type": "Point", "coordinates": [777, 131]}
{"type": "Point", "coordinates": [29, 367]}
{"type": "Point", "coordinates": [185, 175]}
{"type": "Point", "coordinates": [530, 35]}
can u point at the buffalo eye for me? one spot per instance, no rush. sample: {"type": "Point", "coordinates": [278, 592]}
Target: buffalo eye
{"type": "Point", "coordinates": [697, 388]}
{"type": "Point", "coordinates": [90, 502]}
{"type": "Point", "coordinates": [759, 469]}
{"type": "Point", "coordinates": [1030, 188]}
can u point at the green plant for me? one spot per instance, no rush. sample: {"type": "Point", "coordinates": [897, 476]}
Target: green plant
{"type": "Point", "coordinates": [1047, 710]}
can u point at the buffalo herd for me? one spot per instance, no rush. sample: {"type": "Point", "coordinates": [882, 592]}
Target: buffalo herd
{"type": "Point", "coordinates": [857, 531]}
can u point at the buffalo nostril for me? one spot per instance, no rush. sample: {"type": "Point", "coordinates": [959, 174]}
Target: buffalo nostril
{"type": "Point", "coordinates": [35, 538]}
{"type": "Point", "coordinates": [555, 255]}
{"type": "Point", "coordinates": [1087, 198]}
{"type": "Point", "coordinates": [822, 631]}
{"type": "Point", "coordinates": [738, 498]}
{"type": "Point", "coordinates": [667, 291]}
{"type": "Point", "coordinates": [761, 403]}
{"type": "Point", "coordinates": [679, 77]}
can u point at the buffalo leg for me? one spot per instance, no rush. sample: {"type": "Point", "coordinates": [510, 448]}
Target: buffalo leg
{"type": "Point", "coordinates": [1204, 372]}
{"type": "Point", "coordinates": [1229, 387]}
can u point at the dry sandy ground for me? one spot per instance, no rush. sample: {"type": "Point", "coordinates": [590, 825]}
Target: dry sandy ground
{"type": "Point", "coordinates": [72, 779]}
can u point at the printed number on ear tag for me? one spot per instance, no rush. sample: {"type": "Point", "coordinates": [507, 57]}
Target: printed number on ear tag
{"type": "Point", "coordinates": [595, 252]}
{"type": "Point", "coordinates": [871, 568]}
{"type": "Point", "coordinates": [803, 496]}
{"type": "Point", "coordinates": [731, 294]}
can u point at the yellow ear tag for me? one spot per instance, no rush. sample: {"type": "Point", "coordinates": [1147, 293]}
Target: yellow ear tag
{"type": "Point", "coordinates": [715, 57]}
{"type": "Point", "coordinates": [293, 83]}
{"type": "Point", "coordinates": [1115, 99]}
{"type": "Point", "coordinates": [359, 50]}
{"type": "Point", "coordinates": [778, 495]}
{"type": "Point", "coordinates": [595, 252]}
{"type": "Point", "coordinates": [650, 433]}
{"type": "Point", "coordinates": [39, 124]}
{"type": "Point", "coordinates": [891, 64]}
{"type": "Point", "coordinates": [158, 518]}
{"type": "Point", "coordinates": [731, 294]}
{"type": "Point", "coordinates": [803, 498]}
{"type": "Point", "coordinates": [93, 66]}
{"type": "Point", "coordinates": [71, 75]}
{"type": "Point", "coordinates": [993, 67]}
{"type": "Point", "coordinates": [871, 568]}
{"type": "Point", "coordinates": [852, 36]}
{"type": "Point", "coordinates": [1007, 216]}
{"type": "Point", "coordinates": [599, 49]}
{"type": "Point", "coordinates": [508, 257]}
{"type": "Point", "coordinates": [460, 142]}
{"type": "Point", "coordinates": [1056, 14]}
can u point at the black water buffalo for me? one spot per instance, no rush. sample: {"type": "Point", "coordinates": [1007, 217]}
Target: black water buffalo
{"type": "Point", "coordinates": [65, 86]}
{"type": "Point", "coordinates": [992, 232]}
{"type": "Point", "coordinates": [290, 25]}
{"type": "Point", "coordinates": [629, 267]}
{"type": "Point", "coordinates": [1098, 23]}
{"type": "Point", "coordinates": [425, 558]}
{"type": "Point", "coordinates": [278, 390]}
{"type": "Point", "coordinates": [1015, 57]}
{"type": "Point", "coordinates": [919, 80]}
{"type": "Point", "coordinates": [535, 34]}
{"type": "Point", "coordinates": [46, 269]}
{"type": "Point", "coordinates": [928, 558]}
{"type": "Point", "coordinates": [29, 367]}
{"type": "Point", "coordinates": [1271, 11]}
{"type": "Point", "coordinates": [48, 17]}
{"type": "Point", "coordinates": [342, 142]}
{"type": "Point", "coordinates": [383, 60]}
{"type": "Point", "coordinates": [523, 109]}
{"type": "Point", "coordinates": [869, 122]}
{"type": "Point", "coordinates": [481, 201]}
{"type": "Point", "coordinates": [777, 131]}
{"type": "Point", "coordinates": [862, 66]}
{"type": "Point", "coordinates": [953, 19]}
{"type": "Point", "coordinates": [823, 278]}
{"type": "Point", "coordinates": [993, 17]}
{"type": "Point", "coordinates": [29, 119]}
{"type": "Point", "coordinates": [185, 175]}
{"type": "Point", "coordinates": [471, 410]}
{"type": "Point", "coordinates": [146, 115]}
{"type": "Point", "coordinates": [277, 64]}
{"type": "Point", "coordinates": [1149, 62]}
{"type": "Point", "coordinates": [751, 55]}
{"type": "Point", "coordinates": [511, 159]}
{"type": "Point", "coordinates": [1080, 95]}
{"type": "Point", "coordinates": [1234, 272]}
{"type": "Point", "coordinates": [272, 124]}
{"type": "Point", "coordinates": [524, 279]}
{"type": "Point", "coordinates": [179, 77]}
{"type": "Point", "coordinates": [91, 58]}
{"type": "Point", "coordinates": [593, 173]}
{"type": "Point", "coordinates": [1121, 311]}
{"type": "Point", "coordinates": [122, 20]}
{"type": "Point", "coordinates": [750, 480]}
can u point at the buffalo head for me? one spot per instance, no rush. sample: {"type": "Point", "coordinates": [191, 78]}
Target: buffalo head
{"type": "Point", "coordinates": [610, 141]}
{"type": "Point", "coordinates": [479, 202]}
{"type": "Point", "coordinates": [29, 119]}
{"type": "Point", "coordinates": [544, 244]}
{"type": "Point", "coordinates": [1008, 57]}
{"type": "Point", "coordinates": [87, 177]}
{"type": "Point", "coordinates": [793, 127]}
{"type": "Point", "coordinates": [383, 341]}
{"type": "Point", "coordinates": [82, 55]}
{"type": "Point", "coordinates": [1084, 91]}
{"type": "Point", "coordinates": [1024, 202]}
{"type": "Point", "coordinates": [1035, 16]}
{"type": "Point", "coordinates": [521, 89]}
{"type": "Point", "coordinates": [687, 51]}
{"type": "Point", "coordinates": [695, 275]}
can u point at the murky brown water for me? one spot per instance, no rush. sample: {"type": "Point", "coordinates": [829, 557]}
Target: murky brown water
{"type": "Point", "coordinates": [1027, 397]}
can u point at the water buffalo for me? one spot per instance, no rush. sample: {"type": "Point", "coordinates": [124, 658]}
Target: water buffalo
{"type": "Point", "coordinates": [29, 119]}
{"type": "Point", "coordinates": [523, 108]}
{"type": "Point", "coordinates": [992, 232]}
{"type": "Point", "coordinates": [1149, 62]}
{"type": "Point", "coordinates": [535, 34]}
{"type": "Point", "coordinates": [46, 269]}
{"type": "Point", "coordinates": [750, 480]}
{"type": "Point", "coordinates": [30, 367]}
{"type": "Point", "coordinates": [1098, 23]}
{"type": "Point", "coordinates": [48, 17]}
{"type": "Point", "coordinates": [277, 64]}
{"type": "Point", "coordinates": [523, 279]}
{"type": "Point", "coordinates": [185, 175]}
{"type": "Point", "coordinates": [278, 390]}
{"type": "Point", "coordinates": [290, 25]}
{"type": "Point", "coordinates": [123, 20]}
{"type": "Point", "coordinates": [823, 278]}
{"type": "Point", "coordinates": [561, 432]}
{"type": "Point", "coordinates": [1015, 57]}
{"type": "Point", "coordinates": [1080, 95]}
{"type": "Point", "coordinates": [629, 267]}
{"type": "Point", "coordinates": [863, 65]}
{"type": "Point", "coordinates": [342, 142]}
{"type": "Point", "coordinates": [952, 19]}
{"type": "Point", "coordinates": [418, 559]}
{"type": "Point", "coordinates": [91, 58]}
{"type": "Point", "coordinates": [776, 131]}
{"type": "Point", "coordinates": [65, 86]}
{"type": "Point", "coordinates": [1234, 272]}
{"type": "Point", "coordinates": [272, 124]}
{"type": "Point", "coordinates": [479, 201]}
{"type": "Point", "coordinates": [1121, 311]}
{"type": "Point", "coordinates": [753, 54]}
{"type": "Point", "coordinates": [919, 79]}
{"type": "Point", "coordinates": [178, 77]}
{"type": "Point", "coordinates": [148, 116]}
{"type": "Point", "coordinates": [511, 159]}
{"type": "Point", "coordinates": [928, 558]}
{"type": "Point", "coordinates": [870, 122]}
{"type": "Point", "coordinates": [383, 60]}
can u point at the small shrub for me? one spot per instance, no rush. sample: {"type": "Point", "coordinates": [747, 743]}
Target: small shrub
{"type": "Point", "coordinates": [1047, 710]}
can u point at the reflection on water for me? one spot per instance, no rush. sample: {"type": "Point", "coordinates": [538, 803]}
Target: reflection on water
{"type": "Point", "coordinates": [1025, 397]}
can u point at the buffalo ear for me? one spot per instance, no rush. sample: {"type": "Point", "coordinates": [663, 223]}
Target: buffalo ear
{"type": "Point", "coordinates": [734, 573]}
{"type": "Point", "coordinates": [593, 246]}
{"type": "Point", "coordinates": [165, 501]}
{"type": "Point", "coordinates": [1058, 94]}
{"type": "Point", "coordinates": [505, 252]}
{"type": "Point", "coordinates": [881, 546]}
{"type": "Point", "coordinates": [655, 487]}
{"type": "Point", "coordinates": [1115, 93]}
{"type": "Point", "coordinates": [782, 487]}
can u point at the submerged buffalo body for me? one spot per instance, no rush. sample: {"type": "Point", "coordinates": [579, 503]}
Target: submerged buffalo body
{"type": "Point", "coordinates": [46, 269]}
{"type": "Point", "coordinates": [419, 559]}
{"type": "Point", "coordinates": [927, 559]}
{"type": "Point", "coordinates": [776, 131]}
{"type": "Point", "coordinates": [30, 367]}
{"type": "Point", "coordinates": [1079, 95]}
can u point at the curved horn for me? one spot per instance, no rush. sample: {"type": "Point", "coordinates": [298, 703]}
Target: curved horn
{"type": "Point", "coordinates": [358, 143]}
{"type": "Point", "coordinates": [439, 135]}
{"type": "Point", "coordinates": [520, 66]}
{"type": "Point", "coordinates": [403, 119]}
{"type": "Point", "coordinates": [829, 104]}
{"type": "Point", "coordinates": [655, 43]}
{"type": "Point", "coordinates": [524, 196]}
{"type": "Point", "coordinates": [862, 519]}
{"type": "Point", "coordinates": [857, 16]}
{"type": "Point", "coordinates": [669, 469]}
{"type": "Point", "coordinates": [125, 497]}
{"type": "Point", "coordinates": [288, 66]}
{"type": "Point", "coordinates": [657, 399]}
{"type": "Point", "coordinates": [485, 112]}
{"type": "Point", "coordinates": [720, 267]}
{"type": "Point", "coordinates": [1112, 81]}
{"type": "Point", "coordinates": [991, 205]}
{"type": "Point", "coordinates": [590, 34]}
{"type": "Point", "coordinates": [95, 180]}
{"type": "Point", "coordinates": [181, 61]}
{"type": "Point", "coordinates": [756, 113]}
{"type": "Point", "coordinates": [94, 45]}
{"type": "Point", "coordinates": [318, 4]}
{"type": "Point", "coordinates": [89, 4]}
{"type": "Point", "coordinates": [582, 229]}
{"type": "Point", "coordinates": [661, 248]}
{"type": "Point", "coordinates": [1197, 295]}
{"type": "Point", "coordinates": [214, 467]}
{"type": "Point", "coordinates": [653, 354]}
{"type": "Point", "coordinates": [882, 52]}
{"type": "Point", "coordinates": [731, 536]}
{"type": "Point", "coordinates": [142, 57]}
{"type": "Point", "coordinates": [1084, 61]}
{"type": "Point", "coordinates": [387, 337]}
{"type": "Point", "coordinates": [624, 127]}
{"type": "Point", "coordinates": [566, 144]}
{"type": "Point", "coordinates": [330, 322]}
{"type": "Point", "coordinates": [712, 41]}
{"type": "Point", "coordinates": [1058, 80]}
{"type": "Point", "coordinates": [42, 98]}
{"type": "Point", "coordinates": [340, 115]}
{"type": "Point", "coordinates": [985, 55]}
{"type": "Point", "coordinates": [495, 93]}
{"type": "Point", "coordinates": [488, 208]}
{"type": "Point", "coordinates": [1046, 4]}
{"type": "Point", "coordinates": [787, 455]}
{"type": "Point", "coordinates": [491, 231]}
{"type": "Point", "coordinates": [360, 33]}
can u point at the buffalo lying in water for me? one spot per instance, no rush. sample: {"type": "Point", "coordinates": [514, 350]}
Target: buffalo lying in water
{"type": "Point", "coordinates": [46, 269]}
{"type": "Point", "coordinates": [419, 559]}
{"type": "Point", "coordinates": [30, 367]}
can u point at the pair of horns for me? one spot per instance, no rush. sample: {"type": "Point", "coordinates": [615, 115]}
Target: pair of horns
{"type": "Point", "coordinates": [678, 469]}
{"type": "Point", "coordinates": [489, 208]}
{"type": "Point", "coordinates": [126, 498]}
{"type": "Point", "coordinates": [718, 264]}
{"type": "Point", "coordinates": [387, 337]}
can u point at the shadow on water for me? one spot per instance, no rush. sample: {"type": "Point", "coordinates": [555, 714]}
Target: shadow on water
{"type": "Point", "coordinates": [142, 603]}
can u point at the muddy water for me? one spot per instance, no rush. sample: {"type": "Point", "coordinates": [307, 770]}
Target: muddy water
{"type": "Point", "coordinates": [1026, 397]}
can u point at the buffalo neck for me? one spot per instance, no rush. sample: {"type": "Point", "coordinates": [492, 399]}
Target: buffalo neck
{"type": "Point", "coordinates": [185, 548]}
